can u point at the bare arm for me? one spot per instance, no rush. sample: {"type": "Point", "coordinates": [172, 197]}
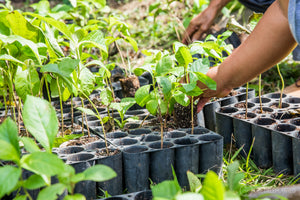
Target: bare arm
{"type": "Point", "coordinates": [203, 21]}
{"type": "Point", "coordinates": [269, 43]}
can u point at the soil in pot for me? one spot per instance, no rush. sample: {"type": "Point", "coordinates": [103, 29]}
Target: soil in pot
{"type": "Point", "coordinates": [80, 141]}
{"type": "Point", "coordinates": [129, 86]}
{"type": "Point", "coordinates": [182, 116]}
{"type": "Point", "coordinates": [103, 152]}
{"type": "Point", "coordinates": [243, 105]}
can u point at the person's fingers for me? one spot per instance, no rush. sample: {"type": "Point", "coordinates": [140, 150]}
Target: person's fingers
{"type": "Point", "coordinates": [197, 35]}
{"type": "Point", "coordinates": [201, 103]}
{"type": "Point", "coordinates": [191, 29]}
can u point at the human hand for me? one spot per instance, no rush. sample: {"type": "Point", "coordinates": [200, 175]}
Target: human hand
{"type": "Point", "coordinates": [199, 25]}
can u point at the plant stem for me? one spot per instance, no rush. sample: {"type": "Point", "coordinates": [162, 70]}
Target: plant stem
{"type": "Point", "coordinates": [86, 122]}
{"type": "Point", "coordinates": [122, 58]}
{"type": "Point", "coordinates": [192, 111]}
{"type": "Point", "coordinates": [72, 113]}
{"type": "Point", "coordinates": [61, 107]}
{"type": "Point", "coordinates": [47, 88]}
{"type": "Point", "coordinates": [282, 86]}
{"type": "Point", "coordinates": [101, 121]}
{"type": "Point", "coordinates": [259, 93]}
{"type": "Point", "coordinates": [5, 103]}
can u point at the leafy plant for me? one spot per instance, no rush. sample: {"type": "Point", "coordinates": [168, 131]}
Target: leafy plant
{"type": "Point", "coordinates": [41, 121]}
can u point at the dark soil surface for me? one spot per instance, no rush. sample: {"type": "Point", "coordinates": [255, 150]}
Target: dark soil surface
{"type": "Point", "coordinates": [182, 116]}
{"type": "Point", "coordinates": [103, 152]}
{"type": "Point", "coordinates": [79, 141]}
{"type": "Point", "coordinates": [129, 86]}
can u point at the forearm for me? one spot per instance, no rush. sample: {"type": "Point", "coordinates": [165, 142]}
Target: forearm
{"type": "Point", "coordinates": [269, 43]}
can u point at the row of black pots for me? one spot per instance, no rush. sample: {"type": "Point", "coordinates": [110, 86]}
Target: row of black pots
{"type": "Point", "coordinates": [208, 114]}
{"type": "Point", "coordinates": [139, 157]}
{"type": "Point", "coordinates": [274, 133]}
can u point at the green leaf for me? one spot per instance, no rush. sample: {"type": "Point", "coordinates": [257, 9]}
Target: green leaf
{"type": "Point", "coordinates": [133, 43]}
{"type": "Point", "coordinates": [20, 26]}
{"type": "Point", "coordinates": [166, 85]}
{"type": "Point", "coordinates": [142, 95]}
{"type": "Point", "coordinates": [67, 66]}
{"type": "Point", "coordinates": [212, 188]}
{"type": "Point", "coordinates": [9, 177]}
{"type": "Point", "coordinates": [87, 81]}
{"type": "Point", "coordinates": [9, 134]}
{"type": "Point", "coordinates": [164, 65]}
{"type": "Point", "coordinates": [87, 111]}
{"type": "Point", "coordinates": [11, 59]}
{"type": "Point", "coordinates": [8, 152]}
{"type": "Point", "coordinates": [189, 196]}
{"type": "Point", "coordinates": [34, 182]}
{"type": "Point", "coordinates": [43, 163]}
{"type": "Point", "coordinates": [209, 82]}
{"type": "Point", "coordinates": [95, 39]}
{"type": "Point", "coordinates": [99, 173]}
{"type": "Point", "coordinates": [75, 197]}
{"type": "Point", "coordinates": [181, 98]}
{"type": "Point", "coordinates": [177, 45]}
{"type": "Point", "coordinates": [194, 181]}
{"type": "Point", "coordinates": [62, 27]}
{"type": "Point", "coordinates": [29, 144]}
{"type": "Point", "coordinates": [165, 190]}
{"type": "Point", "coordinates": [106, 96]}
{"type": "Point", "coordinates": [41, 121]}
{"type": "Point", "coordinates": [200, 65]}
{"type": "Point", "coordinates": [27, 82]}
{"type": "Point", "coordinates": [51, 192]}
{"type": "Point", "coordinates": [152, 106]}
{"type": "Point", "coordinates": [183, 56]}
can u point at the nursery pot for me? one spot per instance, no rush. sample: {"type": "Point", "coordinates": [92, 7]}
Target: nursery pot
{"type": "Point", "coordinates": [136, 161]}
{"type": "Point", "coordinates": [282, 148]}
{"type": "Point", "coordinates": [262, 147]}
{"type": "Point", "coordinates": [80, 162]}
{"type": "Point", "coordinates": [187, 159]}
{"type": "Point", "coordinates": [115, 185]}
{"type": "Point", "coordinates": [209, 114]}
{"type": "Point", "coordinates": [210, 153]}
{"type": "Point", "coordinates": [224, 124]}
{"type": "Point", "coordinates": [243, 132]}
{"type": "Point", "coordinates": [161, 161]}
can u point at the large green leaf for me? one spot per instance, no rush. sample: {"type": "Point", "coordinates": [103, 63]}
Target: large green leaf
{"type": "Point", "coordinates": [95, 39]}
{"type": "Point", "coordinates": [27, 82]}
{"type": "Point", "coordinates": [75, 197]}
{"type": "Point", "coordinates": [164, 65]}
{"type": "Point", "coordinates": [62, 27]}
{"type": "Point", "coordinates": [87, 81]}
{"type": "Point", "coordinates": [8, 152]}
{"type": "Point", "coordinates": [43, 7]}
{"type": "Point", "coordinates": [152, 106]}
{"type": "Point", "coordinates": [29, 144]}
{"type": "Point", "coordinates": [142, 95]}
{"type": "Point", "coordinates": [51, 192]}
{"type": "Point", "coordinates": [200, 65]}
{"type": "Point", "coordinates": [212, 188]}
{"type": "Point", "coordinates": [20, 26]}
{"type": "Point", "coordinates": [166, 85]}
{"type": "Point", "coordinates": [194, 182]}
{"type": "Point", "coordinates": [133, 43]}
{"type": "Point", "coordinates": [9, 134]}
{"type": "Point", "coordinates": [67, 66]}
{"type": "Point", "coordinates": [99, 173]}
{"type": "Point", "coordinates": [209, 82]}
{"type": "Point", "coordinates": [165, 190]}
{"type": "Point", "coordinates": [106, 96]}
{"type": "Point", "coordinates": [183, 56]}
{"type": "Point", "coordinates": [11, 59]}
{"type": "Point", "coordinates": [43, 163]}
{"type": "Point", "coordinates": [181, 98]}
{"type": "Point", "coordinates": [34, 182]}
{"type": "Point", "coordinates": [9, 177]}
{"type": "Point", "coordinates": [40, 120]}
{"type": "Point", "coordinates": [52, 42]}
